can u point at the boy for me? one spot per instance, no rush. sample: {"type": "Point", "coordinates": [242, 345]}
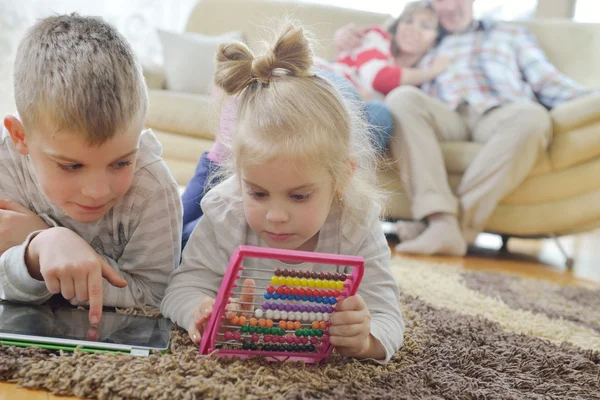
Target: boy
{"type": "Point", "coordinates": [86, 194]}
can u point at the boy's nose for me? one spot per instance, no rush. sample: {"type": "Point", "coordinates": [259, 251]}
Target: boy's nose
{"type": "Point", "coordinates": [96, 188]}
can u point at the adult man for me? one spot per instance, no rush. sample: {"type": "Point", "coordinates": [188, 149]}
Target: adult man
{"type": "Point", "coordinates": [494, 93]}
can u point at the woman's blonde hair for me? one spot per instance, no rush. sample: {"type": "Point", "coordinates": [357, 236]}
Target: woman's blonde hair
{"type": "Point", "coordinates": [407, 12]}
{"type": "Point", "coordinates": [287, 111]}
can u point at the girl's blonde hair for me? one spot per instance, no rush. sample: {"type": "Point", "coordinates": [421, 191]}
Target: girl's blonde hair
{"type": "Point", "coordinates": [287, 111]}
{"type": "Point", "coordinates": [407, 12]}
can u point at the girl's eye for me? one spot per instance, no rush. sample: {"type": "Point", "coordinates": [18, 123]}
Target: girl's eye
{"type": "Point", "coordinates": [257, 195]}
{"type": "Point", "coordinates": [123, 164]}
{"type": "Point", "coordinates": [300, 197]}
{"type": "Point", "coordinates": [69, 167]}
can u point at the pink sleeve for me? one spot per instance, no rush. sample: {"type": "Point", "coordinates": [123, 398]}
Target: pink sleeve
{"type": "Point", "coordinates": [226, 124]}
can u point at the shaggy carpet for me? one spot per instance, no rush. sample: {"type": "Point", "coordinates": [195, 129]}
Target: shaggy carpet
{"type": "Point", "coordinates": [469, 335]}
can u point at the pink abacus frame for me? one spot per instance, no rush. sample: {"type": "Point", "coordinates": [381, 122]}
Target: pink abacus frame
{"type": "Point", "coordinates": [208, 343]}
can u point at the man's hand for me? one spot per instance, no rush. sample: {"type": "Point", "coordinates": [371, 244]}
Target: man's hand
{"type": "Point", "coordinates": [16, 223]}
{"type": "Point", "coordinates": [68, 265]}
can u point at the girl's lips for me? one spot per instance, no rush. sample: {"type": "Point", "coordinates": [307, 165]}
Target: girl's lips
{"type": "Point", "coordinates": [281, 237]}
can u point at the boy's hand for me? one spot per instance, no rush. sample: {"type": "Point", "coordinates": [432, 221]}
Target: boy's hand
{"type": "Point", "coordinates": [350, 330]}
{"type": "Point", "coordinates": [68, 265]}
{"type": "Point", "coordinates": [16, 223]}
{"type": "Point", "coordinates": [202, 312]}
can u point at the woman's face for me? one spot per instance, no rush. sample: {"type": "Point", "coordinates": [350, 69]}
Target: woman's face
{"type": "Point", "coordinates": [416, 34]}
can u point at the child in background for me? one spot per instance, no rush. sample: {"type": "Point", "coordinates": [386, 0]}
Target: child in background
{"type": "Point", "coordinates": [89, 208]}
{"type": "Point", "coordinates": [299, 175]}
{"type": "Point", "coordinates": [385, 60]}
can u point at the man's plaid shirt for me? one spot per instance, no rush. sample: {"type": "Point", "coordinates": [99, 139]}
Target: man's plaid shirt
{"type": "Point", "coordinates": [494, 64]}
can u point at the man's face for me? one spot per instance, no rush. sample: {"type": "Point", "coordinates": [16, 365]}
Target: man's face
{"type": "Point", "coordinates": [454, 15]}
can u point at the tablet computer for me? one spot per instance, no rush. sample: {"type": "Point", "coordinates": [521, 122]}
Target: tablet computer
{"type": "Point", "coordinates": [63, 327]}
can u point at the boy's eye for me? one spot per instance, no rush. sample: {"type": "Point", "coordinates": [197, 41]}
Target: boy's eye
{"type": "Point", "coordinates": [123, 164]}
{"type": "Point", "coordinates": [69, 167]}
{"type": "Point", "coordinates": [300, 197]}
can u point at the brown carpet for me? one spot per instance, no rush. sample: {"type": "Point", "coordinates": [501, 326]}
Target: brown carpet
{"type": "Point", "coordinates": [469, 335]}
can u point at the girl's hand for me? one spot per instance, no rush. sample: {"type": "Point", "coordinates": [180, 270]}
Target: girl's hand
{"type": "Point", "coordinates": [202, 312]}
{"type": "Point", "coordinates": [200, 316]}
{"type": "Point", "coordinates": [350, 330]}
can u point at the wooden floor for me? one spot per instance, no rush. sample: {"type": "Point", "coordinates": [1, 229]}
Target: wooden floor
{"type": "Point", "coordinates": [539, 259]}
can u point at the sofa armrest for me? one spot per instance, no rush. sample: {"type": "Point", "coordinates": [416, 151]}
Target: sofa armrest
{"type": "Point", "coordinates": [155, 76]}
{"type": "Point", "coordinates": [576, 113]}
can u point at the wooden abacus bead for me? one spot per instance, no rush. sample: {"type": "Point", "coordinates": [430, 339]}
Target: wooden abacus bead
{"type": "Point", "coordinates": [323, 325]}
{"type": "Point", "coordinates": [269, 323]}
{"type": "Point", "coordinates": [285, 272]}
{"type": "Point", "coordinates": [255, 337]}
{"type": "Point", "coordinates": [262, 323]}
{"type": "Point", "coordinates": [303, 282]}
{"type": "Point", "coordinates": [246, 346]}
{"type": "Point", "coordinates": [290, 325]}
{"type": "Point", "coordinates": [297, 325]}
{"type": "Point", "coordinates": [318, 283]}
{"type": "Point", "coordinates": [258, 313]}
{"type": "Point", "coordinates": [253, 321]}
{"type": "Point", "coordinates": [293, 273]}
{"type": "Point", "coordinates": [328, 276]}
{"type": "Point", "coordinates": [270, 289]}
{"type": "Point", "coordinates": [282, 324]}
{"type": "Point", "coordinates": [237, 336]}
{"type": "Point", "coordinates": [228, 335]}
{"type": "Point", "coordinates": [311, 283]}
{"type": "Point", "coordinates": [277, 272]}
{"type": "Point", "coordinates": [297, 281]}
{"type": "Point", "coordinates": [314, 274]}
{"type": "Point", "coordinates": [235, 320]}
{"type": "Point", "coordinates": [277, 314]}
{"type": "Point", "coordinates": [339, 285]}
{"type": "Point", "coordinates": [243, 320]}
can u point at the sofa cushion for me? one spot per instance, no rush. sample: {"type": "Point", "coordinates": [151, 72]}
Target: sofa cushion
{"type": "Point", "coordinates": [183, 113]}
{"type": "Point", "coordinates": [189, 59]}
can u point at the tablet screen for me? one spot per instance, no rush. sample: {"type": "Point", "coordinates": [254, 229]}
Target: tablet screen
{"type": "Point", "coordinates": [69, 324]}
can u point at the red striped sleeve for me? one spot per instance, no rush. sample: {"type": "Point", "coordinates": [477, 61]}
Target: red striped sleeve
{"type": "Point", "coordinates": [369, 55]}
{"type": "Point", "coordinates": [387, 79]}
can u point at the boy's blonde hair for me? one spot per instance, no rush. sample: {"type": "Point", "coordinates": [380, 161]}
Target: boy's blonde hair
{"type": "Point", "coordinates": [407, 12]}
{"type": "Point", "coordinates": [287, 111]}
{"type": "Point", "coordinates": [81, 75]}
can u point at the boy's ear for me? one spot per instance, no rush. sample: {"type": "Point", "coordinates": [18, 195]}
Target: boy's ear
{"type": "Point", "coordinates": [17, 133]}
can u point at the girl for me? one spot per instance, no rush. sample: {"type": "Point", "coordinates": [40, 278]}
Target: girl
{"type": "Point", "coordinates": [302, 177]}
{"type": "Point", "coordinates": [385, 60]}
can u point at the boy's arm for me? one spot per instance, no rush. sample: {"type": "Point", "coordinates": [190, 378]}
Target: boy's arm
{"type": "Point", "coordinates": [15, 282]}
{"type": "Point", "coordinates": [151, 253]}
{"type": "Point", "coordinates": [380, 291]}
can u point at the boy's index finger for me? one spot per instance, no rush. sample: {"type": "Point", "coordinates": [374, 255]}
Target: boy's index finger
{"type": "Point", "coordinates": [95, 295]}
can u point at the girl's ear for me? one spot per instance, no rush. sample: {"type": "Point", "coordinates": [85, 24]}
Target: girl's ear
{"type": "Point", "coordinates": [17, 133]}
{"type": "Point", "coordinates": [351, 169]}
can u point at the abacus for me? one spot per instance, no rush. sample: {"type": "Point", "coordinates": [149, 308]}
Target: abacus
{"type": "Point", "coordinates": [291, 321]}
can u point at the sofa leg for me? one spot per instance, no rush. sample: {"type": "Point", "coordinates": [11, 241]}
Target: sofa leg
{"type": "Point", "coordinates": [504, 248]}
{"type": "Point", "coordinates": [569, 261]}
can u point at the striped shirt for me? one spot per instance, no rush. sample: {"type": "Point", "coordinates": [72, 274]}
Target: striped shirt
{"type": "Point", "coordinates": [140, 237]}
{"type": "Point", "coordinates": [496, 63]}
{"type": "Point", "coordinates": [371, 65]}
{"type": "Point", "coordinates": [223, 228]}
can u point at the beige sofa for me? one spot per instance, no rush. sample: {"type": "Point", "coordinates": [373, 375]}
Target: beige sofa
{"type": "Point", "coordinates": [560, 196]}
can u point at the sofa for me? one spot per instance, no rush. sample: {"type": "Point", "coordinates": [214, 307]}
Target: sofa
{"type": "Point", "coordinates": [560, 196]}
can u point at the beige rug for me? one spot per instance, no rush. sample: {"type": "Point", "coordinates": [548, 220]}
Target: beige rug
{"type": "Point", "coordinates": [469, 335]}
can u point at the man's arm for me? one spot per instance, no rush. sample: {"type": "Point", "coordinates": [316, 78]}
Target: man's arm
{"type": "Point", "coordinates": [550, 85]}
